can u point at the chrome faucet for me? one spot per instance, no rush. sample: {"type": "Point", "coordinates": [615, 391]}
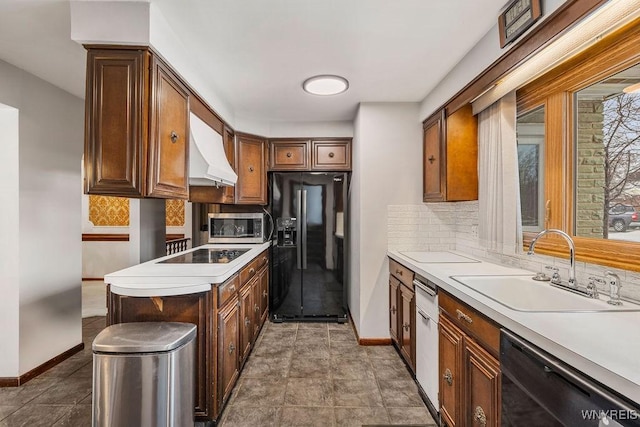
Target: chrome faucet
{"type": "Point", "coordinates": [572, 252]}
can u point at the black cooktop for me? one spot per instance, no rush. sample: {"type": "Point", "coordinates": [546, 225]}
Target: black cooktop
{"type": "Point", "coordinates": [206, 256]}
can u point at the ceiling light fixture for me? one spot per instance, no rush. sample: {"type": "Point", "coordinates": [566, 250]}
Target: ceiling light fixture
{"type": "Point", "coordinates": [635, 88]}
{"type": "Point", "coordinates": [325, 85]}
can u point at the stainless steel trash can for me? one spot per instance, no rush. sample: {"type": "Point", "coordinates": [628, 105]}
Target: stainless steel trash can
{"type": "Point", "coordinates": [143, 375]}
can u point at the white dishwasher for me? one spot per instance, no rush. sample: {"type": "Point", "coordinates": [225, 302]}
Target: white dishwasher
{"type": "Point", "coordinates": [427, 338]}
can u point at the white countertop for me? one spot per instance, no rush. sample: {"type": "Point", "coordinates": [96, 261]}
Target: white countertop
{"type": "Point", "coordinates": [603, 345]}
{"type": "Point", "coordinates": [154, 279]}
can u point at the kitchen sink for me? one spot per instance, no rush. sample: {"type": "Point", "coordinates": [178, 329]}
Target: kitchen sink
{"type": "Point", "coordinates": [522, 293]}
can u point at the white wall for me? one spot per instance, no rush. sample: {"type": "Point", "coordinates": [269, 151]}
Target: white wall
{"type": "Point", "coordinates": [386, 170]}
{"type": "Point", "coordinates": [9, 256]}
{"type": "Point", "coordinates": [51, 134]}
{"type": "Point", "coordinates": [483, 54]}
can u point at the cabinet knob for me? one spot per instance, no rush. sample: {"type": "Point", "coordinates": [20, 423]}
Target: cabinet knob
{"type": "Point", "coordinates": [174, 136]}
{"type": "Point", "coordinates": [393, 310]}
{"type": "Point", "coordinates": [448, 377]}
{"type": "Point", "coordinates": [479, 416]}
{"type": "Point", "coordinates": [250, 168]}
{"type": "Point", "coordinates": [399, 272]}
{"type": "Point", "coordinates": [289, 154]}
{"type": "Point", "coordinates": [431, 159]}
{"type": "Point", "coordinates": [406, 327]}
{"type": "Point", "coordinates": [252, 271]}
{"type": "Point", "coordinates": [264, 294]}
{"type": "Point", "coordinates": [246, 321]}
{"type": "Point", "coordinates": [232, 347]}
{"type": "Point", "coordinates": [232, 288]}
{"type": "Point", "coordinates": [331, 155]}
{"type": "Point", "coordinates": [256, 308]}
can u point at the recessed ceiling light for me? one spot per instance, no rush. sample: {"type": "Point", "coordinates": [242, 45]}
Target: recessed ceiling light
{"type": "Point", "coordinates": [632, 89]}
{"type": "Point", "coordinates": [325, 85]}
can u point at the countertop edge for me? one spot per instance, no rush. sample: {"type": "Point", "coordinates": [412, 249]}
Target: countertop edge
{"type": "Point", "coordinates": [502, 316]}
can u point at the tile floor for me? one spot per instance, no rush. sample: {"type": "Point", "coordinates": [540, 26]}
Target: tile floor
{"type": "Point", "coordinates": [307, 374]}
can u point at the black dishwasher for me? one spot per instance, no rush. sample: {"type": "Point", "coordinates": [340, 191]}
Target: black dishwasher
{"type": "Point", "coordinates": [538, 390]}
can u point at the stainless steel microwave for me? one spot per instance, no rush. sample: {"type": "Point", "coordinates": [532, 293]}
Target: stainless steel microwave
{"type": "Point", "coordinates": [237, 228]}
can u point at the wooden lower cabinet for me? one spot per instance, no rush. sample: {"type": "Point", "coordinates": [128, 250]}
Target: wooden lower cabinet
{"type": "Point", "coordinates": [224, 339]}
{"type": "Point", "coordinates": [394, 285]}
{"type": "Point", "coordinates": [450, 341]}
{"type": "Point", "coordinates": [482, 386]}
{"type": "Point", "coordinates": [402, 312]}
{"type": "Point", "coordinates": [407, 329]}
{"type": "Point", "coordinates": [228, 348]}
{"type": "Point", "coordinates": [469, 373]}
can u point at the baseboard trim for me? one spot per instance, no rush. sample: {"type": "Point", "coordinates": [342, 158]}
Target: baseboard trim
{"type": "Point", "coordinates": [93, 279]}
{"type": "Point", "coordinates": [374, 341]}
{"type": "Point", "coordinates": [18, 381]}
{"type": "Point", "coordinates": [367, 341]}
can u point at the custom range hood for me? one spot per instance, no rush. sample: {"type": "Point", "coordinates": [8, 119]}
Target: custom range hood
{"type": "Point", "coordinates": [208, 164]}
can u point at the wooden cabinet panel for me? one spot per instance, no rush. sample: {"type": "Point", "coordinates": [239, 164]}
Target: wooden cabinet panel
{"type": "Point", "coordinates": [193, 308]}
{"type": "Point", "coordinates": [169, 142]}
{"type": "Point", "coordinates": [407, 328]}
{"type": "Point", "coordinates": [247, 322]}
{"type": "Point", "coordinates": [228, 289]}
{"type": "Point", "coordinates": [256, 288]}
{"type": "Point", "coordinates": [228, 348]}
{"type": "Point", "coordinates": [394, 309]}
{"type": "Point", "coordinates": [450, 156]}
{"type": "Point", "coordinates": [331, 155]}
{"type": "Point", "coordinates": [289, 155]}
{"type": "Point", "coordinates": [450, 361]}
{"type": "Point", "coordinates": [248, 272]}
{"type": "Point", "coordinates": [402, 273]}
{"type": "Point", "coordinates": [471, 322]}
{"type": "Point", "coordinates": [115, 128]}
{"type": "Point", "coordinates": [482, 386]}
{"type": "Point", "coordinates": [264, 294]}
{"type": "Point", "coordinates": [251, 187]}
{"type": "Point", "coordinates": [462, 155]}
{"type": "Point", "coordinates": [433, 159]}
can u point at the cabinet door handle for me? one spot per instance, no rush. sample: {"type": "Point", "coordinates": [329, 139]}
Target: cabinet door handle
{"type": "Point", "coordinates": [464, 317]}
{"type": "Point", "coordinates": [246, 321]}
{"type": "Point", "coordinates": [448, 377]}
{"type": "Point", "coordinates": [174, 136]}
{"type": "Point", "coordinates": [264, 259]}
{"type": "Point", "coordinates": [399, 272]}
{"type": "Point", "coordinates": [264, 294]}
{"type": "Point", "coordinates": [431, 159]}
{"type": "Point", "coordinates": [252, 271]}
{"type": "Point", "coordinates": [406, 327]}
{"type": "Point", "coordinates": [256, 308]}
{"type": "Point", "coordinates": [231, 348]}
{"type": "Point", "coordinates": [393, 310]}
{"type": "Point", "coordinates": [479, 416]}
{"type": "Point", "coordinates": [289, 154]}
{"type": "Point", "coordinates": [232, 288]}
{"type": "Point", "coordinates": [331, 155]}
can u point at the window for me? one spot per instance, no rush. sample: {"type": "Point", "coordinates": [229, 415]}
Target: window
{"type": "Point", "coordinates": [579, 153]}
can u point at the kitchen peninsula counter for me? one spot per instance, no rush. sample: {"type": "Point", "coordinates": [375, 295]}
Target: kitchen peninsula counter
{"type": "Point", "coordinates": [155, 278]}
{"type": "Point", "coordinates": [603, 345]}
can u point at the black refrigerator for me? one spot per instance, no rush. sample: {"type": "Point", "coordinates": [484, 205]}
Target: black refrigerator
{"type": "Point", "coordinates": [308, 271]}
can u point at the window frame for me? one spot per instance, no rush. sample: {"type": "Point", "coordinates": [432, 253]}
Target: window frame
{"type": "Point", "coordinates": [555, 91]}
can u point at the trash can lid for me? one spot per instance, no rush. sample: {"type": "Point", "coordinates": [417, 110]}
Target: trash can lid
{"type": "Point", "coordinates": [143, 337]}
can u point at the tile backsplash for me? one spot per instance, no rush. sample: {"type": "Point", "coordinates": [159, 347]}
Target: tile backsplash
{"type": "Point", "coordinates": [454, 226]}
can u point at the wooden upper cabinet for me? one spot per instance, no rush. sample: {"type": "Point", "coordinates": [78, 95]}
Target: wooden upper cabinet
{"type": "Point", "coordinates": [289, 155]}
{"type": "Point", "coordinates": [331, 155]}
{"type": "Point", "coordinates": [450, 156]}
{"type": "Point", "coordinates": [169, 139]}
{"type": "Point", "coordinates": [136, 126]}
{"type": "Point", "coordinates": [115, 122]}
{"type": "Point", "coordinates": [251, 167]}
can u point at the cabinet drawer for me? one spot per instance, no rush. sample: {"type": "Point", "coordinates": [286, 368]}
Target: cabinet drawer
{"type": "Point", "coordinates": [473, 323]}
{"type": "Point", "coordinates": [402, 273]}
{"type": "Point", "coordinates": [331, 155]}
{"type": "Point", "coordinates": [227, 290]}
{"type": "Point", "coordinates": [289, 155]}
{"type": "Point", "coordinates": [249, 271]}
{"type": "Point", "coordinates": [262, 260]}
